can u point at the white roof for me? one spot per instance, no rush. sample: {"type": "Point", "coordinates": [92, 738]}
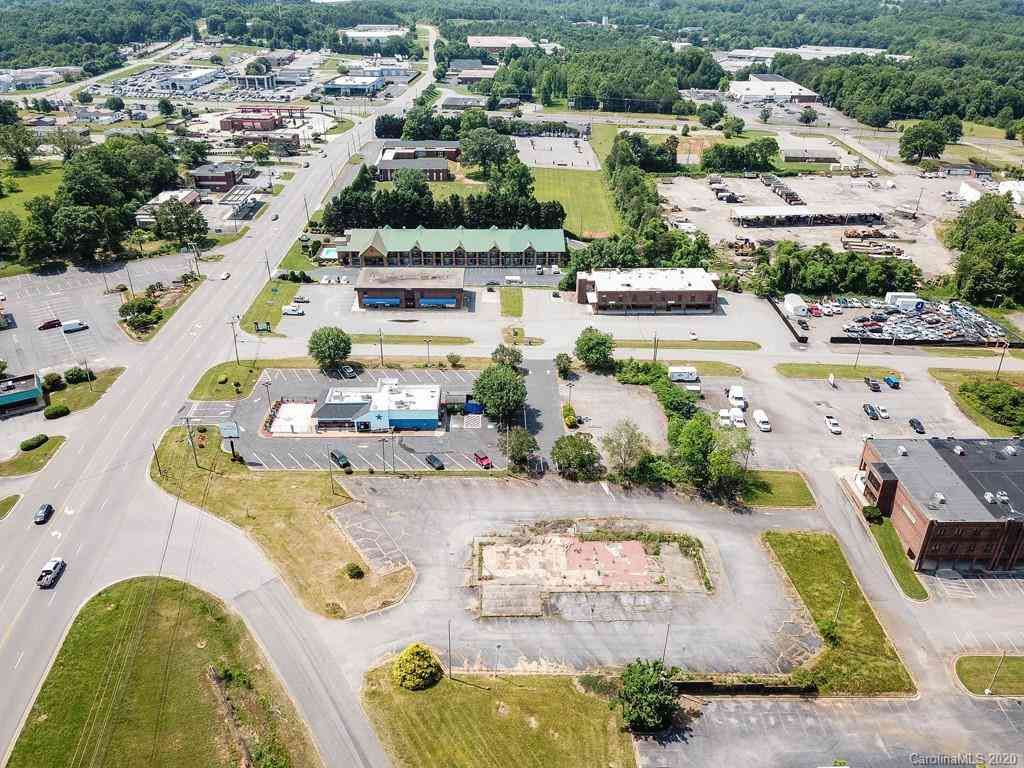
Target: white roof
{"type": "Point", "coordinates": [667, 279]}
{"type": "Point", "coordinates": [389, 395]}
{"type": "Point", "coordinates": [781, 211]}
{"type": "Point", "coordinates": [760, 88]}
{"type": "Point", "coordinates": [355, 80]}
{"type": "Point", "coordinates": [499, 41]}
{"type": "Point", "coordinates": [193, 74]}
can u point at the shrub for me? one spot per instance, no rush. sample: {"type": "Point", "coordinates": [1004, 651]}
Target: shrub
{"type": "Point", "coordinates": [55, 411]}
{"type": "Point", "coordinates": [569, 416]}
{"type": "Point", "coordinates": [77, 375]}
{"type": "Point", "coordinates": [33, 442]}
{"type": "Point", "coordinates": [647, 698]}
{"type": "Point", "coordinates": [872, 514]}
{"type": "Point", "coordinates": [453, 359]}
{"type": "Point", "coordinates": [120, 288]}
{"type": "Point", "coordinates": [830, 632]}
{"type": "Point", "coordinates": [53, 382]}
{"type": "Point", "coordinates": [353, 571]}
{"type": "Point", "coordinates": [222, 379]}
{"type": "Point", "coordinates": [416, 668]}
{"type": "Point", "coordinates": [563, 363]}
{"type": "Point", "coordinates": [201, 428]}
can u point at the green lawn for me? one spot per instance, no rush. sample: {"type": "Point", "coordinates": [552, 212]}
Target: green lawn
{"type": "Point", "coordinates": [41, 180]}
{"type": "Point", "coordinates": [976, 672]}
{"type": "Point", "coordinates": [952, 378]}
{"type": "Point", "coordinates": [409, 338]}
{"type": "Point", "coordinates": [210, 388]}
{"type": "Point", "coordinates": [227, 238]}
{"type": "Point", "coordinates": [295, 259]}
{"type": "Point", "coordinates": [339, 127]}
{"type": "Point", "coordinates": [130, 681]}
{"type": "Point", "coordinates": [511, 302]}
{"type": "Point", "coordinates": [589, 209]}
{"type": "Point", "coordinates": [822, 370]}
{"type": "Point", "coordinates": [602, 135]}
{"type": "Point", "coordinates": [168, 313]}
{"type": "Point", "coordinates": [687, 344]}
{"type": "Point", "coordinates": [505, 722]}
{"type": "Point", "coordinates": [267, 305]}
{"type": "Point", "coordinates": [78, 397]}
{"type": "Point", "coordinates": [7, 504]}
{"type": "Point", "coordinates": [27, 462]}
{"type": "Point", "coordinates": [777, 488]}
{"type": "Point", "coordinates": [864, 662]}
{"type": "Point", "coordinates": [709, 367]}
{"type": "Point", "coordinates": [893, 550]}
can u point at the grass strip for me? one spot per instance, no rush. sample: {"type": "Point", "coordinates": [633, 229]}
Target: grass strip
{"type": "Point", "coordinates": [78, 397]}
{"type": "Point", "coordinates": [952, 378]}
{"type": "Point", "coordinates": [822, 370]}
{"type": "Point", "coordinates": [976, 673]}
{"type": "Point", "coordinates": [7, 504]}
{"type": "Point", "coordinates": [687, 344]}
{"type": "Point", "coordinates": [402, 338]}
{"type": "Point", "coordinates": [511, 302]}
{"type": "Point", "coordinates": [267, 306]}
{"type": "Point", "coordinates": [777, 488]}
{"type": "Point", "coordinates": [27, 462]}
{"type": "Point", "coordinates": [893, 551]}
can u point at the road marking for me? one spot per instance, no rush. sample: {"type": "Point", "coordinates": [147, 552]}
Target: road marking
{"type": "Point", "coordinates": [1009, 639]}
{"type": "Point", "coordinates": [297, 462]}
{"type": "Point", "coordinates": [262, 463]}
{"type": "Point", "coordinates": [20, 657]}
{"type": "Point", "coordinates": [993, 641]}
{"type": "Point", "coordinates": [79, 548]}
{"type": "Point", "coordinates": [317, 463]}
{"type": "Point", "coordinates": [454, 457]}
{"type": "Point", "coordinates": [52, 598]}
{"type": "Point", "coordinates": [604, 486]}
{"type": "Point", "coordinates": [56, 534]}
{"type": "Point", "coordinates": [274, 457]}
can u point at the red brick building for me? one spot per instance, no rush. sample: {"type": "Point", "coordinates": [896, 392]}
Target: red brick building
{"type": "Point", "coordinates": [410, 288]}
{"type": "Point", "coordinates": [251, 121]}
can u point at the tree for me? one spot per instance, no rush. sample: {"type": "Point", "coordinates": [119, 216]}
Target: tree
{"type": "Point", "coordinates": [808, 115]}
{"type": "Point", "coordinates": [416, 668]}
{"type": "Point", "coordinates": [647, 697]}
{"type": "Point", "coordinates": [873, 114]}
{"type": "Point", "coordinates": [67, 141]}
{"type": "Point", "coordinates": [10, 230]}
{"type": "Point", "coordinates": [114, 103]}
{"type": "Point", "coordinates": [563, 362]}
{"type": "Point", "coordinates": [137, 237]}
{"type": "Point", "coordinates": [180, 223]}
{"type": "Point", "coordinates": [3, 367]}
{"type": "Point", "coordinates": [708, 457]}
{"type": "Point", "coordinates": [259, 152]}
{"type": "Point", "coordinates": [923, 139]}
{"type": "Point", "coordinates": [626, 446]}
{"type": "Point", "coordinates": [511, 179]}
{"type": "Point", "coordinates": [84, 97]}
{"type": "Point", "coordinates": [19, 144]}
{"type": "Point", "coordinates": [329, 347]}
{"type": "Point", "coordinates": [501, 391]}
{"type": "Point", "coordinates": [8, 113]}
{"type": "Point", "coordinates": [765, 114]}
{"type": "Point", "coordinates": [506, 355]}
{"type": "Point", "coordinates": [472, 119]}
{"type": "Point", "coordinates": [165, 107]}
{"type": "Point", "coordinates": [518, 445]}
{"type": "Point", "coordinates": [192, 153]}
{"type": "Point", "coordinates": [576, 457]}
{"type": "Point", "coordinates": [594, 349]}
{"type": "Point", "coordinates": [487, 148]}
{"type": "Point", "coordinates": [953, 127]}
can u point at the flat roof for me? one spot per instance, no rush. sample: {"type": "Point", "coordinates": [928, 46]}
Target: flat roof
{"type": "Point", "coordinates": [193, 74]}
{"type": "Point", "coordinates": [416, 163]}
{"type": "Point", "coordinates": [935, 465]}
{"type": "Point", "coordinates": [411, 278]}
{"type": "Point", "coordinates": [216, 169]}
{"type": "Point", "coordinates": [388, 395]}
{"type": "Point", "coordinates": [484, 73]}
{"type": "Point", "coordinates": [768, 85]}
{"type": "Point", "coordinates": [499, 41]}
{"type": "Point", "coordinates": [17, 384]}
{"type": "Point", "coordinates": [354, 80]}
{"type": "Point", "coordinates": [784, 211]}
{"type": "Point", "coordinates": [419, 144]}
{"type": "Point", "coordinates": [666, 279]}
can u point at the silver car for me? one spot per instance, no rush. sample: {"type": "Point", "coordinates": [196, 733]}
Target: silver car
{"type": "Point", "coordinates": [51, 572]}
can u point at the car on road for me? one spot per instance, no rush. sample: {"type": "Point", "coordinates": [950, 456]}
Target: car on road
{"type": "Point", "coordinates": [724, 419]}
{"type": "Point", "coordinates": [292, 309]}
{"type": "Point", "coordinates": [51, 572]}
{"type": "Point", "coordinates": [300, 300]}
{"type": "Point", "coordinates": [492, 282]}
{"type": "Point", "coordinates": [916, 425]}
{"type": "Point", "coordinates": [325, 281]}
{"type": "Point", "coordinates": [882, 412]}
{"type": "Point", "coordinates": [340, 459]}
{"type": "Point", "coordinates": [693, 335]}
{"type": "Point", "coordinates": [869, 409]}
{"type": "Point", "coordinates": [275, 217]}
{"type": "Point", "coordinates": [833, 425]}
{"type": "Point", "coordinates": [348, 372]}
{"type": "Point", "coordinates": [54, 323]}
{"type": "Point", "coordinates": [556, 295]}
{"type": "Point", "coordinates": [73, 326]}
{"type": "Point", "coordinates": [483, 460]}
{"type": "Point", "coordinates": [224, 275]}
{"type": "Point", "coordinates": [871, 384]}
{"type": "Point", "coordinates": [434, 462]}
{"type": "Point", "coordinates": [43, 514]}
{"type": "Point", "coordinates": [555, 270]}
{"type": "Point", "coordinates": [804, 325]}
{"type": "Point", "coordinates": [892, 381]}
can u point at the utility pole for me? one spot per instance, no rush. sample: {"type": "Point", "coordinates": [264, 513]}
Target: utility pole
{"type": "Point", "coordinates": [857, 359]}
{"type": "Point", "coordinates": [570, 386]}
{"type": "Point", "coordinates": [428, 353]}
{"type": "Point", "coordinates": [191, 440]}
{"type": "Point", "coordinates": [234, 336]}
{"type": "Point", "coordinates": [129, 274]}
{"type": "Point", "coordinates": [305, 205]}
{"type": "Point", "coordinates": [88, 373]}
{"type": "Point", "coordinates": [992, 682]}
{"type": "Point", "coordinates": [267, 385]}
{"type": "Point", "coordinates": [664, 648]}
{"type": "Point", "coordinates": [383, 457]}
{"type": "Point", "coordinates": [999, 368]}
{"type": "Point", "coordinates": [156, 456]}
{"type": "Point", "coordinates": [840, 604]}
{"type": "Point", "coordinates": [449, 649]}
{"type": "Point", "coordinates": [655, 358]}
{"type": "Point", "coordinates": [380, 336]}
{"type": "Point", "coordinates": [266, 258]}
{"type": "Point", "coordinates": [330, 470]}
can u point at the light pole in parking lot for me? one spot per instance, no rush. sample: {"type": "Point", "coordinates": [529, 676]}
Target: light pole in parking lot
{"type": "Point", "coordinates": [428, 353]}
{"type": "Point", "coordinates": [857, 359]}
{"type": "Point", "coordinates": [570, 386]}
{"type": "Point", "coordinates": [131, 288]}
{"type": "Point", "coordinates": [266, 384]}
{"type": "Point", "coordinates": [383, 456]}
{"type": "Point", "coordinates": [234, 335]}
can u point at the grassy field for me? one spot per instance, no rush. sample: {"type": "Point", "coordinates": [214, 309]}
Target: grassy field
{"type": "Point", "coordinates": [285, 512]}
{"type": "Point", "coordinates": [511, 302]}
{"type": "Point", "coordinates": [41, 180]}
{"type": "Point", "coordinates": [339, 127]}
{"type": "Point", "coordinates": [976, 672]}
{"type": "Point", "coordinates": [822, 370]}
{"type": "Point", "coordinates": [892, 549]}
{"type": "Point", "coordinates": [777, 488]}
{"type": "Point", "coordinates": [486, 722]}
{"type": "Point", "coordinates": [864, 662]}
{"type": "Point", "coordinates": [295, 259]}
{"type": "Point", "coordinates": [952, 378]}
{"type": "Point", "coordinates": [709, 367]}
{"type": "Point", "coordinates": [687, 344]}
{"type": "Point", "coordinates": [130, 681]}
{"type": "Point", "coordinates": [7, 504]}
{"type": "Point", "coordinates": [27, 462]}
{"type": "Point", "coordinates": [78, 397]}
{"type": "Point", "coordinates": [959, 351]}
{"type": "Point", "coordinates": [267, 306]}
{"type": "Point", "coordinates": [589, 210]}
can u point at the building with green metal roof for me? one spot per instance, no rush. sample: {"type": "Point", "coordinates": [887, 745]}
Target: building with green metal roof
{"type": "Point", "coordinates": [421, 247]}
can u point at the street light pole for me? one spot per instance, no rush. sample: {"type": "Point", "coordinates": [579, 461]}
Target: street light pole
{"type": "Point", "coordinates": [428, 353]}
{"type": "Point", "coordinates": [999, 368]}
{"type": "Point", "coordinates": [234, 337]}
{"type": "Point", "coordinates": [266, 258]}
{"type": "Point", "coordinates": [129, 274]}
{"type": "Point", "coordinates": [380, 336]}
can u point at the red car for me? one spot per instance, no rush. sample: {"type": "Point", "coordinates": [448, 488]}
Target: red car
{"type": "Point", "coordinates": [814, 310]}
{"type": "Point", "coordinates": [483, 460]}
{"type": "Point", "coordinates": [55, 323]}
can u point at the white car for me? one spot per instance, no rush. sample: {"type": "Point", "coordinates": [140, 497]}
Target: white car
{"type": "Point", "coordinates": [325, 281]}
{"type": "Point", "coordinates": [51, 572]}
{"type": "Point", "coordinates": [724, 418]}
{"type": "Point", "coordinates": [693, 335]}
{"type": "Point", "coordinates": [833, 425]}
{"type": "Point", "coordinates": [882, 412]}
{"type": "Point", "coordinates": [292, 309]}
{"type": "Point", "coordinates": [224, 275]}
{"type": "Point", "coordinates": [555, 270]}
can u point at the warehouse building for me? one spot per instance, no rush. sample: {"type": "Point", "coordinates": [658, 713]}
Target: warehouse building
{"type": "Point", "coordinates": [387, 407]}
{"type": "Point", "coordinates": [954, 503]}
{"type": "Point", "coordinates": [382, 288]}
{"type": "Point", "coordinates": [352, 85]}
{"type": "Point", "coordinates": [648, 291]}
{"type": "Point", "coordinates": [460, 103]}
{"type": "Point", "coordinates": [770, 87]}
{"type": "Point", "coordinates": [190, 79]}
{"type": "Point", "coordinates": [805, 215]}
{"type": "Point", "coordinates": [499, 43]}
{"type": "Point", "coordinates": [421, 247]}
{"type": "Point", "coordinates": [392, 70]}
{"type": "Point", "coordinates": [470, 76]}
{"type": "Point", "coordinates": [373, 34]}
{"type": "Point", "coordinates": [794, 149]}
{"type": "Point", "coordinates": [458, 65]}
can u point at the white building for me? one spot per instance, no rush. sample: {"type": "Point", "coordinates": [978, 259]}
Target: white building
{"type": "Point", "coordinates": [190, 79]}
{"type": "Point", "coordinates": [351, 85]}
{"type": "Point", "coordinates": [368, 34]}
{"type": "Point", "coordinates": [795, 305]}
{"type": "Point", "coordinates": [1013, 188]}
{"type": "Point", "coordinates": [499, 43]}
{"type": "Point", "coordinates": [386, 407]}
{"type": "Point", "coordinates": [145, 216]}
{"type": "Point", "coordinates": [740, 58]}
{"type": "Point", "coordinates": [770, 87]}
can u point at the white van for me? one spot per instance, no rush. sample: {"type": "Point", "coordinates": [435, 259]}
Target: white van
{"type": "Point", "coordinates": [737, 418]}
{"type": "Point", "coordinates": [540, 269]}
{"type": "Point", "coordinates": [724, 419]}
{"type": "Point", "coordinates": [761, 419]}
{"type": "Point", "coordinates": [736, 398]}
{"type": "Point", "coordinates": [73, 325]}
{"type": "Point", "coordinates": [513, 280]}
{"type": "Point", "coordinates": [682, 373]}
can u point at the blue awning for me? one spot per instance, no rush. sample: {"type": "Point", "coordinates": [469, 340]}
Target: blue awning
{"type": "Point", "coordinates": [383, 301]}
{"type": "Point", "coordinates": [440, 301]}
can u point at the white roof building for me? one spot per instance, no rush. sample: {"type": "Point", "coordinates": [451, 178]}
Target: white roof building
{"type": "Point", "coordinates": [374, 33]}
{"type": "Point", "coordinates": [770, 87]}
{"type": "Point", "coordinates": [664, 279]}
{"type": "Point", "coordinates": [190, 79]}
{"type": "Point", "coordinates": [738, 58]}
{"type": "Point", "coordinates": [499, 42]}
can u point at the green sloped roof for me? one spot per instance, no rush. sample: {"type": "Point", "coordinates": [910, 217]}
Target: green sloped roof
{"type": "Point", "coordinates": [444, 240]}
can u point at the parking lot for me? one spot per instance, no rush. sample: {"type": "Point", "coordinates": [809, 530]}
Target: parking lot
{"type": "Point", "coordinates": [554, 152]}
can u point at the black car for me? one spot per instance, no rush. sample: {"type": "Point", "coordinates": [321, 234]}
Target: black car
{"type": "Point", "coordinates": [879, 317]}
{"type": "Point", "coordinates": [556, 294]}
{"type": "Point", "coordinates": [492, 282]}
{"type": "Point", "coordinates": [47, 325]}
{"type": "Point", "coordinates": [917, 426]}
{"type": "Point", "coordinates": [43, 514]}
{"type": "Point", "coordinates": [435, 462]}
{"type": "Point", "coordinates": [340, 459]}
{"type": "Point", "coordinates": [871, 384]}
{"type": "Point", "coordinates": [803, 324]}
{"type": "Point", "coordinates": [869, 409]}
{"type": "Point", "coordinates": [348, 372]}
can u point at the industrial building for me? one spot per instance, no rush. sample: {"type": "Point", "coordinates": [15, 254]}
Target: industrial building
{"type": "Point", "coordinates": [409, 148]}
{"type": "Point", "coordinates": [294, 75]}
{"type": "Point", "coordinates": [954, 503]}
{"type": "Point", "coordinates": [795, 149]}
{"type": "Point", "coordinates": [145, 216]}
{"type": "Point", "coordinates": [421, 247]}
{"type": "Point", "coordinates": [770, 87]}
{"type": "Point", "coordinates": [805, 215]}
{"type": "Point", "coordinates": [266, 82]}
{"type": "Point", "coordinates": [190, 79]}
{"type": "Point", "coordinates": [387, 407]}
{"type": "Point", "coordinates": [460, 103]}
{"type": "Point", "coordinates": [382, 288]}
{"type": "Point", "coordinates": [392, 70]}
{"type": "Point", "coordinates": [499, 43]}
{"type": "Point", "coordinates": [741, 58]}
{"type": "Point", "coordinates": [352, 85]}
{"type": "Point", "coordinates": [469, 76]}
{"type": "Point", "coordinates": [373, 34]}
{"type": "Point", "coordinates": [458, 65]}
{"type": "Point", "coordinates": [648, 291]}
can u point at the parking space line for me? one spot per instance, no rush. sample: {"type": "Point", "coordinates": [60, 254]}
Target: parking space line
{"type": "Point", "coordinates": [261, 461]}
{"type": "Point", "coordinates": [993, 641]}
{"type": "Point", "coordinates": [976, 643]}
{"type": "Point", "coordinates": [297, 462]}
{"type": "Point", "coordinates": [317, 463]}
{"type": "Point", "coordinates": [963, 646]}
{"type": "Point", "coordinates": [1007, 716]}
{"type": "Point", "coordinates": [274, 457]}
{"type": "Point", "coordinates": [368, 463]}
{"type": "Point", "coordinates": [1009, 639]}
{"type": "Point", "coordinates": [454, 458]}
{"type": "Point", "coordinates": [399, 459]}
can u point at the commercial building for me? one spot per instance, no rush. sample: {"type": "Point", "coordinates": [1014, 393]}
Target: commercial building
{"type": "Point", "coordinates": [293, 75]}
{"type": "Point", "coordinates": [21, 393]}
{"type": "Point", "coordinates": [794, 149]}
{"type": "Point", "coordinates": [458, 65]}
{"type": "Point", "coordinates": [372, 34]}
{"type": "Point", "coordinates": [460, 103]}
{"type": "Point", "coordinates": [469, 76]}
{"type": "Point", "coordinates": [459, 247]}
{"type": "Point", "coordinates": [251, 121]}
{"type": "Point", "coordinates": [392, 70]}
{"type": "Point", "coordinates": [498, 43]}
{"type": "Point", "coordinates": [190, 79]}
{"type": "Point", "coordinates": [433, 168]}
{"type": "Point", "coordinates": [398, 149]}
{"type": "Point", "coordinates": [954, 503]}
{"type": "Point", "coordinates": [430, 157]}
{"type": "Point", "coordinates": [278, 59]}
{"type": "Point", "coordinates": [353, 85]}
{"type": "Point", "coordinates": [741, 58]}
{"type": "Point", "coordinates": [388, 406]}
{"type": "Point", "coordinates": [145, 216]}
{"type": "Point", "coordinates": [36, 77]}
{"type": "Point", "coordinates": [217, 177]}
{"type": "Point", "coordinates": [770, 87]}
{"type": "Point", "coordinates": [670, 290]}
{"type": "Point", "coordinates": [382, 288]}
{"type": "Point", "coordinates": [267, 82]}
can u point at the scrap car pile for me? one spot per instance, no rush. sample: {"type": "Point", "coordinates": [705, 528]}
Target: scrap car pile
{"type": "Point", "coordinates": [909, 318]}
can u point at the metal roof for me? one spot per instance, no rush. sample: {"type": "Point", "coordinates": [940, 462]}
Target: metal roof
{"type": "Point", "coordinates": [789, 211]}
{"type": "Point", "coordinates": [446, 240]}
{"type": "Point", "coordinates": [416, 163]}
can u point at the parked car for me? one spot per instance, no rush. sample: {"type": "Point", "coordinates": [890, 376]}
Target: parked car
{"type": "Point", "coordinates": [73, 326]}
{"type": "Point", "coordinates": [724, 419]}
{"type": "Point", "coordinates": [556, 295]}
{"type": "Point", "coordinates": [833, 425]}
{"type": "Point", "coordinates": [492, 282]}
{"type": "Point", "coordinates": [54, 323]}
{"type": "Point", "coordinates": [892, 381]}
{"type": "Point", "coordinates": [814, 310]}
{"type": "Point", "coordinates": [300, 300]}
{"type": "Point", "coordinates": [292, 309]}
{"type": "Point", "coordinates": [325, 281]}
{"type": "Point", "coordinates": [869, 409]}
{"type": "Point", "coordinates": [871, 384]}
{"type": "Point", "coordinates": [916, 425]}
{"type": "Point", "coordinates": [555, 269]}
{"type": "Point", "coordinates": [348, 372]}
{"type": "Point", "coordinates": [434, 462]}
{"type": "Point", "coordinates": [804, 325]}
{"type": "Point", "coordinates": [51, 572]}
{"type": "Point", "coordinates": [44, 513]}
{"type": "Point", "coordinates": [275, 217]}
{"type": "Point", "coordinates": [483, 460]}
{"type": "Point", "coordinates": [882, 412]}
{"type": "Point", "coordinates": [761, 419]}
{"type": "Point", "coordinates": [224, 275]}
{"type": "Point", "coordinates": [340, 459]}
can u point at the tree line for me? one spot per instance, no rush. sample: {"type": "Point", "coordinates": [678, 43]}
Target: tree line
{"type": "Point", "coordinates": [990, 266]}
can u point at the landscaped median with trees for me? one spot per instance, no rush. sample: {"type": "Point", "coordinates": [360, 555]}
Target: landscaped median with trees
{"type": "Point", "coordinates": [33, 454]}
{"type": "Point", "coordinates": [994, 405]}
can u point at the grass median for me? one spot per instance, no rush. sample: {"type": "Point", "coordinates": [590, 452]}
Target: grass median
{"type": "Point", "coordinates": [139, 651]}
{"type": "Point", "coordinates": [777, 488]}
{"type": "Point", "coordinates": [980, 672]}
{"type": "Point", "coordinates": [286, 513]}
{"type": "Point", "coordinates": [27, 462]}
{"type": "Point", "coordinates": [709, 367]}
{"type": "Point", "coordinates": [267, 306]}
{"type": "Point", "coordinates": [863, 662]}
{"type": "Point", "coordinates": [80, 396]}
{"type": "Point", "coordinates": [403, 338]}
{"type": "Point", "coordinates": [722, 344]}
{"type": "Point", "coordinates": [952, 378]}
{"type": "Point", "coordinates": [893, 551]}
{"type": "Point", "coordinates": [7, 504]}
{"type": "Point", "coordinates": [511, 302]}
{"type": "Point", "coordinates": [476, 721]}
{"type": "Point", "coordinates": [822, 370]}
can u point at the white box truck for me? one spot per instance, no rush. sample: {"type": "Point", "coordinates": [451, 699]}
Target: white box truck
{"type": "Point", "coordinates": [736, 398]}
{"type": "Point", "coordinates": [682, 373]}
{"type": "Point", "coordinates": [794, 305]}
{"type": "Point", "coordinates": [761, 419]}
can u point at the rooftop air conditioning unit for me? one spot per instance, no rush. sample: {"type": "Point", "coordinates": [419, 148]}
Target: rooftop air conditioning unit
{"type": "Point", "coordinates": [958, 450]}
{"type": "Point", "coordinates": [901, 451]}
{"type": "Point", "coordinates": [989, 497]}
